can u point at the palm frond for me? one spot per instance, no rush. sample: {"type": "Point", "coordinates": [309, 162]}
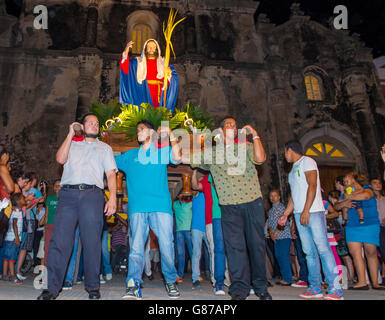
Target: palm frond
{"type": "Point", "coordinates": [105, 112]}
{"type": "Point", "coordinates": [201, 119]}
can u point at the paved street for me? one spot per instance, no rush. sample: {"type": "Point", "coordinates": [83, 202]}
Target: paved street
{"type": "Point", "coordinates": [154, 290]}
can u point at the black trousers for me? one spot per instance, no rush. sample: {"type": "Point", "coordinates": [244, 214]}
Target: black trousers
{"type": "Point", "coordinates": [83, 208]}
{"type": "Point", "coordinates": [274, 262]}
{"type": "Point", "coordinates": [36, 245]}
{"type": "Point", "coordinates": [243, 234]}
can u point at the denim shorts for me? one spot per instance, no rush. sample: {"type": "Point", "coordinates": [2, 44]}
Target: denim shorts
{"type": "Point", "coordinates": [10, 251]}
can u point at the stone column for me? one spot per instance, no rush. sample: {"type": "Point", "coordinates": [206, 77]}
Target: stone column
{"type": "Point", "coordinates": [89, 79]}
{"type": "Point", "coordinates": [9, 33]}
{"type": "Point", "coordinates": [281, 111]}
{"type": "Point", "coordinates": [92, 25]}
{"type": "Point", "coordinates": [355, 86]}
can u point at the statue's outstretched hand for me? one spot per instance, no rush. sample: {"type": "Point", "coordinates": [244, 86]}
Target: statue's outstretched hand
{"type": "Point", "coordinates": [128, 47]}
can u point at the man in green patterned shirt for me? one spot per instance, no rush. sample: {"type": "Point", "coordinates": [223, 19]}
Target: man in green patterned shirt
{"type": "Point", "coordinates": [232, 165]}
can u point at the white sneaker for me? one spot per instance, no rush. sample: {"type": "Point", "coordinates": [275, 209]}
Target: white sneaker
{"type": "Point", "coordinates": [102, 281]}
{"type": "Point", "coordinates": [219, 292]}
{"type": "Point", "coordinates": [20, 277]}
{"type": "Point", "coordinates": [109, 276]}
{"type": "Point", "coordinates": [251, 291]}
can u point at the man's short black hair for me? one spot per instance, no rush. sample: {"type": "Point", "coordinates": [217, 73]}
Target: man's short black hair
{"type": "Point", "coordinates": [86, 115]}
{"type": "Point", "coordinates": [147, 123]}
{"type": "Point", "coordinates": [294, 145]}
{"type": "Point", "coordinates": [223, 119]}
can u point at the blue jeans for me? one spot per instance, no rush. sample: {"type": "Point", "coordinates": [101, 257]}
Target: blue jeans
{"type": "Point", "coordinates": [105, 263]}
{"type": "Point", "coordinates": [197, 236]}
{"type": "Point", "coordinates": [281, 251]}
{"type": "Point", "coordinates": [303, 274]}
{"type": "Point", "coordinates": [183, 238]}
{"type": "Point", "coordinates": [219, 253]}
{"type": "Point", "coordinates": [315, 245]}
{"type": "Point", "coordinates": [72, 263]}
{"type": "Point", "coordinates": [162, 225]}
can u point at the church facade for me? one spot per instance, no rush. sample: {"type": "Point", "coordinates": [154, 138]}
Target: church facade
{"type": "Point", "coordinates": [297, 80]}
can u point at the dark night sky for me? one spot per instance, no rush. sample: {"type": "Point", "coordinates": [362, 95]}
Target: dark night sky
{"type": "Point", "coordinates": [365, 17]}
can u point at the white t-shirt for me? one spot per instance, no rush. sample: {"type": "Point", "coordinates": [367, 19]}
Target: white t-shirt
{"type": "Point", "coordinates": [299, 186]}
{"type": "Point", "coordinates": [17, 215]}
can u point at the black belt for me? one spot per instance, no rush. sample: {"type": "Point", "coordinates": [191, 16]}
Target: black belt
{"type": "Point", "coordinates": [80, 186]}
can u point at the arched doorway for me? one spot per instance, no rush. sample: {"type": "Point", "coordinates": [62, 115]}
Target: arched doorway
{"type": "Point", "coordinates": [335, 153]}
{"type": "Point", "coordinates": [333, 160]}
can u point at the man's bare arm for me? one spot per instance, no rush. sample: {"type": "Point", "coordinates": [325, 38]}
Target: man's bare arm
{"type": "Point", "coordinates": [62, 153]}
{"type": "Point", "coordinates": [195, 184]}
{"type": "Point", "coordinates": [110, 206]}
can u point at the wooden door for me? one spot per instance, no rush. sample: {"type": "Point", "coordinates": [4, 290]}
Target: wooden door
{"type": "Point", "coordinates": [328, 174]}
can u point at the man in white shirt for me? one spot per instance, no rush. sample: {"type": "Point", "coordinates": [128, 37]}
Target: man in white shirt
{"type": "Point", "coordinates": [309, 215]}
{"type": "Point", "coordinates": [81, 201]}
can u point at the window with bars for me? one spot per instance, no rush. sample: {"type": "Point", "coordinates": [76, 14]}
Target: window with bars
{"type": "Point", "coordinates": [313, 87]}
{"type": "Point", "coordinates": [140, 34]}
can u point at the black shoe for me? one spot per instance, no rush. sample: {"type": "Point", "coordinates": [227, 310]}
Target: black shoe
{"type": "Point", "coordinates": [94, 295]}
{"type": "Point", "coordinates": [133, 292]}
{"type": "Point", "coordinates": [46, 295]}
{"type": "Point", "coordinates": [269, 284]}
{"type": "Point", "coordinates": [378, 288]}
{"type": "Point", "coordinates": [172, 290]}
{"type": "Point", "coordinates": [196, 285]}
{"type": "Point", "coordinates": [237, 297]}
{"type": "Point", "coordinates": [359, 288]}
{"type": "Point", "coordinates": [150, 277]}
{"type": "Point", "coordinates": [283, 283]}
{"type": "Point", "coordinates": [264, 296]}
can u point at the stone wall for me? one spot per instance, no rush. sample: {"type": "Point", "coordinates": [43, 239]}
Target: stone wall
{"type": "Point", "coordinates": [227, 62]}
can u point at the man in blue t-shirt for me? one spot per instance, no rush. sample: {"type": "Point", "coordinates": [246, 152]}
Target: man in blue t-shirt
{"type": "Point", "coordinates": [149, 204]}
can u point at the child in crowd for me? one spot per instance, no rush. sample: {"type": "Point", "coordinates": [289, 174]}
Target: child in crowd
{"type": "Point", "coordinates": [32, 197]}
{"type": "Point", "coordinates": [357, 204]}
{"type": "Point", "coordinates": [119, 248]}
{"type": "Point", "coordinates": [12, 238]}
{"type": "Point", "coordinates": [342, 248]}
{"type": "Point", "coordinates": [331, 213]}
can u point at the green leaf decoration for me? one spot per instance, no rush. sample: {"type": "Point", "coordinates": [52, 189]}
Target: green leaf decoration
{"type": "Point", "coordinates": [201, 119]}
{"type": "Point", "coordinates": [130, 115]}
{"type": "Point", "coordinates": [105, 112]}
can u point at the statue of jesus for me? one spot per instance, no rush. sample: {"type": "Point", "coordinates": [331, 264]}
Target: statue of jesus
{"type": "Point", "coordinates": [141, 78]}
